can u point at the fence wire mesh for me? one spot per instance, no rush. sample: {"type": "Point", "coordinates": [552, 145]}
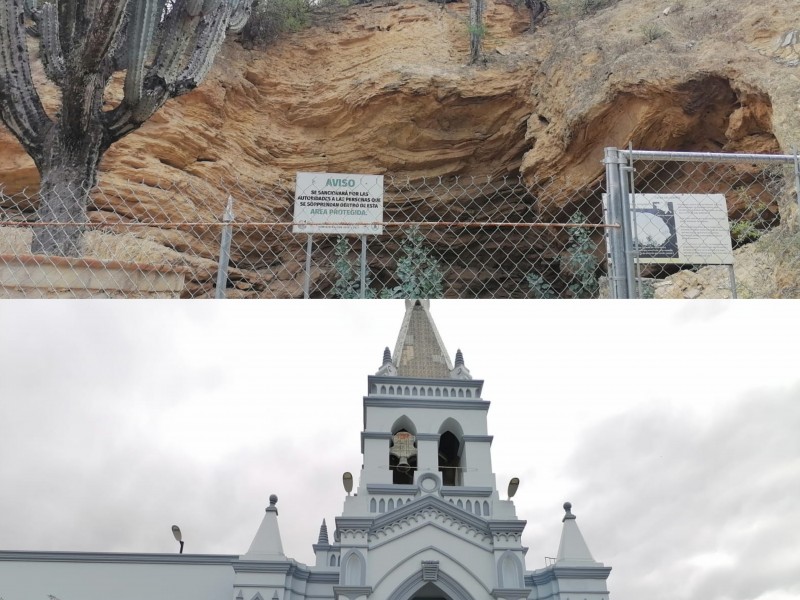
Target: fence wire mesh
{"type": "Point", "coordinates": [759, 198]}
{"type": "Point", "coordinates": [460, 237]}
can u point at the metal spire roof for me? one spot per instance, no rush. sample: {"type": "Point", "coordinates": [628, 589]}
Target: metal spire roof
{"type": "Point", "coordinates": [572, 550]}
{"type": "Point", "coordinates": [267, 542]}
{"type": "Point", "coordinates": [420, 351]}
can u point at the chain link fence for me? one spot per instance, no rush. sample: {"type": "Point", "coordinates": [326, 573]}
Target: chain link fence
{"type": "Point", "coordinates": [459, 237]}
{"type": "Point", "coordinates": [456, 237]}
{"type": "Point", "coordinates": [704, 225]}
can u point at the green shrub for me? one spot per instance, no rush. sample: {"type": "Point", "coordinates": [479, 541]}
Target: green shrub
{"type": "Point", "coordinates": [418, 274]}
{"type": "Point", "coordinates": [541, 289]}
{"type": "Point", "coordinates": [580, 262]}
{"type": "Point", "coordinates": [348, 273]}
{"type": "Point", "coordinates": [270, 18]}
{"type": "Point", "coordinates": [652, 32]}
{"type": "Point", "coordinates": [578, 265]}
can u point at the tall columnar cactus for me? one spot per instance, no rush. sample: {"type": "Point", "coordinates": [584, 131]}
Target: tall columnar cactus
{"type": "Point", "coordinates": [169, 48]}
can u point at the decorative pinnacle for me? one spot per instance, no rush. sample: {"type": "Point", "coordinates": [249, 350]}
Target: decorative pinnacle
{"type": "Point", "coordinates": [568, 510]}
{"type": "Point", "coordinates": [323, 534]}
{"type": "Point", "coordinates": [273, 500]}
{"type": "Point", "coordinates": [387, 356]}
{"type": "Point", "coordinates": [459, 358]}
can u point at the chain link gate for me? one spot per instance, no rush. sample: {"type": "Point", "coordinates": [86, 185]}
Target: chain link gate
{"type": "Point", "coordinates": [457, 237]}
{"type": "Point", "coordinates": [661, 201]}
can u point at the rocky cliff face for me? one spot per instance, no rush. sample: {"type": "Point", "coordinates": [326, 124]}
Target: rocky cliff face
{"type": "Point", "coordinates": [383, 87]}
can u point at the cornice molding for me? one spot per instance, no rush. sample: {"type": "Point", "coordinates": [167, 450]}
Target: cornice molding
{"type": "Point", "coordinates": [467, 490]}
{"type": "Point", "coordinates": [446, 403]}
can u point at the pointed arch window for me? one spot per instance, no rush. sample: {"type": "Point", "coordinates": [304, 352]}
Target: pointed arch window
{"type": "Point", "coordinates": [403, 451]}
{"type": "Point", "coordinates": [450, 458]}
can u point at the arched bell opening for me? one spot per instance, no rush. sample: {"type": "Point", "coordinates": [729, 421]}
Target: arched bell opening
{"type": "Point", "coordinates": [403, 451]}
{"type": "Point", "coordinates": [450, 458]}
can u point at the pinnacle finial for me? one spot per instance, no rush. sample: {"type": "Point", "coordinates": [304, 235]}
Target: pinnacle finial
{"type": "Point", "coordinates": [387, 356]}
{"type": "Point", "coordinates": [568, 510]}
{"type": "Point", "coordinates": [273, 500]}
{"type": "Point", "coordinates": [459, 358]}
{"type": "Point", "coordinates": [323, 534]}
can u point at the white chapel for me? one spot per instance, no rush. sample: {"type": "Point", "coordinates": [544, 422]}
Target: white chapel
{"type": "Point", "coordinates": [425, 521]}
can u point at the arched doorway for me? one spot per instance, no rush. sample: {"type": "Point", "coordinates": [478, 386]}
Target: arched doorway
{"type": "Point", "coordinates": [430, 592]}
{"type": "Point", "coordinates": [444, 587]}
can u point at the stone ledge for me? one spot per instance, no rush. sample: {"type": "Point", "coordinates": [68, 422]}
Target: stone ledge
{"type": "Point", "coordinates": [38, 276]}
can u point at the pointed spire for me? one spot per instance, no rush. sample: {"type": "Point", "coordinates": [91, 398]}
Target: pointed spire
{"type": "Point", "coordinates": [419, 351]}
{"type": "Point", "coordinates": [267, 542]}
{"type": "Point", "coordinates": [459, 371]}
{"type": "Point", "coordinates": [323, 534]}
{"type": "Point", "coordinates": [459, 358]}
{"type": "Point", "coordinates": [572, 550]}
{"type": "Point", "coordinates": [387, 368]}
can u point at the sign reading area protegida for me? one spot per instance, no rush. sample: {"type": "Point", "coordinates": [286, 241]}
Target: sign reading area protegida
{"type": "Point", "coordinates": [338, 203]}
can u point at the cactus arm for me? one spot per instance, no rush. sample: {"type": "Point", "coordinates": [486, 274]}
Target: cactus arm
{"type": "Point", "coordinates": [67, 28]}
{"type": "Point", "coordinates": [186, 50]}
{"type": "Point", "coordinates": [105, 18]}
{"type": "Point", "coordinates": [210, 6]}
{"type": "Point", "coordinates": [179, 33]}
{"type": "Point", "coordinates": [50, 44]}
{"type": "Point", "coordinates": [20, 106]}
{"type": "Point", "coordinates": [194, 7]}
{"type": "Point", "coordinates": [210, 36]}
{"type": "Point", "coordinates": [141, 28]}
{"type": "Point", "coordinates": [240, 15]}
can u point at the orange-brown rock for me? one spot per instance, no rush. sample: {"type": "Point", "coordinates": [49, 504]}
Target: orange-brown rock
{"type": "Point", "coordinates": [384, 87]}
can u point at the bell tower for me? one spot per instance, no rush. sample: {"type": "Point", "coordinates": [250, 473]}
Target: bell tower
{"type": "Point", "coordinates": [427, 515]}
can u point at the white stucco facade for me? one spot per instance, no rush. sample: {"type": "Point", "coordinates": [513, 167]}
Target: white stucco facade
{"type": "Point", "coordinates": [425, 521]}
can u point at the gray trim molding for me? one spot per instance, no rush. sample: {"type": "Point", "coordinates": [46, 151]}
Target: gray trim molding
{"type": "Point", "coordinates": [429, 437]}
{"type": "Point", "coordinates": [393, 402]}
{"type": "Point", "coordinates": [419, 381]}
{"type": "Point", "coordinates": [467, 490]}
{"type": "Point", "coordinates": [510, 593]}
{"type": "Point", "coordinates": [376, 435]}
{"type": "Point", "coordinates": [548, 574]}
{"type": "Point", "coordinates": [396, 489]}
{"type": "Point", "coordinates": [351, 591]}
{"type": "Point", "coordinates": [354, 522]}
{"type": "Point", "coordinates": [119, 557]}
{"type": "Point", "coordinates": [507, 526]}
{"type": "Point", "coordinates": [478, 438]}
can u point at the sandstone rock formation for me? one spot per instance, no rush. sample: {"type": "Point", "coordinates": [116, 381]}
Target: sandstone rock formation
{"type": "Point", "coordinates": [384, 87]}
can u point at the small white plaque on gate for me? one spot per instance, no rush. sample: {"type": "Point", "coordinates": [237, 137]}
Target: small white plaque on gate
{"type": "Point", "coordinates": [338, 203]}
{"type": "Point", "coordinates": [682, 228]}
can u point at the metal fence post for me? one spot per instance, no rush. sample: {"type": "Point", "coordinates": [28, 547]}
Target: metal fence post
{"type": "Point", "coordinates": [797, 180]}
{"type": "Point", "coordinates": [363, 267]}
{"type": "Point", "coordinates": [617, 279]}
{"type": "Point", "coordinates": [628, 232]}
{"type": "Point", "coordinates": [224, 250]}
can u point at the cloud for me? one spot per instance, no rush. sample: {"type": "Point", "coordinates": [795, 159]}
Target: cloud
{"type": "Point", "coordinates": [693, 508]}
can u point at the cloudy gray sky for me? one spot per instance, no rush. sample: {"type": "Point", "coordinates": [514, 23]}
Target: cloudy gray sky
{"type": "Point", "coordinates": [671, 427]}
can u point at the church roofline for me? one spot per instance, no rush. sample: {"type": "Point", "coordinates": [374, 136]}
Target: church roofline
{"type": "Point", "coordinates": [547, 574]}
{"type": "Point", "coordinates": [117, 557]}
